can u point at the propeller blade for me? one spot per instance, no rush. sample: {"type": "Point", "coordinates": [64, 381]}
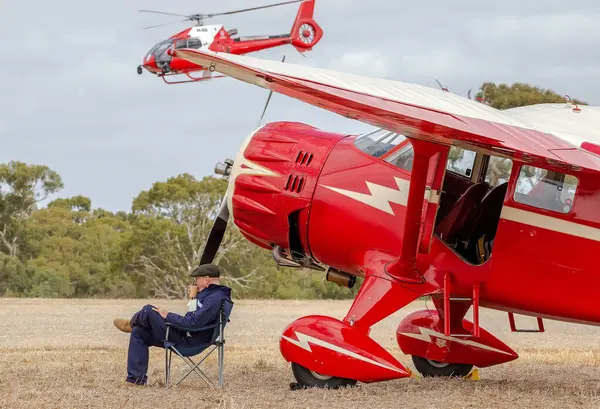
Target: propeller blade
{"type": "Point", "coordinates": [268, 99]}
{"type": "Point", "coordinates": [215, 237]}
{"type": "Point", "coordinates": [252, 8]}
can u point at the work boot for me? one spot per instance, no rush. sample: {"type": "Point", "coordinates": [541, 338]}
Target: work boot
{"type": "Point", "coordinates": [122, 324]}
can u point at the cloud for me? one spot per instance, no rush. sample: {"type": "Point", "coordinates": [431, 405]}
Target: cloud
{"type": "Point", "coordinates": [362, 62]}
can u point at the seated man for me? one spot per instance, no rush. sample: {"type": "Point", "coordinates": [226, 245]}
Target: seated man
{"type": "Point", "coordinates": [148, 326]}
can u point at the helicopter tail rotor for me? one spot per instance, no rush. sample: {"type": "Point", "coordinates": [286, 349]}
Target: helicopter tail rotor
{"type": "Point", "coordinates": [306, 33]}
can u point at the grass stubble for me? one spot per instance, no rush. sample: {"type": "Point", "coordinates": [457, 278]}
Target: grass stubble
{"type": "Point", "coordinates": [67, 354]}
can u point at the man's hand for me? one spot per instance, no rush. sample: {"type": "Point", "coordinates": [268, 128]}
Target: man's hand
{"type": "Point", "coordinates": [162, 311]}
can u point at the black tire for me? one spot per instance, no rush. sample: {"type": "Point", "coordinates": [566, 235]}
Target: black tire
{"type": "Point", "coordinates": [427, 367]}
{"type": "Point", "coordinates": [307, 378]}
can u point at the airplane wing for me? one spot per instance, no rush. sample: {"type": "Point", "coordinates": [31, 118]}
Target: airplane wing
{"type": "Point", "coordinates": [421, 112]}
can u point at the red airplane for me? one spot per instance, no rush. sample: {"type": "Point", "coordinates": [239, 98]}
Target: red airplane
{"type": "Point", "coordinates": [162, 62]}
{"type": "Point", "coordinates": [389, 206]}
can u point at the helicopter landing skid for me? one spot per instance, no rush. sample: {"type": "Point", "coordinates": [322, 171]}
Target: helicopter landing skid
{"type": "Point", "coordinates": [191, 79]}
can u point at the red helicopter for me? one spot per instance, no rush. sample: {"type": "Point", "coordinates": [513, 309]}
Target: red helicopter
{"type": "Point", "coordinates": [160, 60]}
{"type": "Point", "coordinates": [391, 206]}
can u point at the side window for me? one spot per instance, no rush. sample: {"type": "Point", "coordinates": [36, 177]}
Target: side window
{"type": "Point", "coordinates": [498, 171]}
{"type": "Point", "coordinates": [546, 189]}
{"type": "Point", "coordinates": [461, 161]}
{"type": "Point", "coordinates": [403, 158]}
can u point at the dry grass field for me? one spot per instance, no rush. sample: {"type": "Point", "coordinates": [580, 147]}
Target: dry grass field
{"type": "Point", "coordinates": [67, 354]}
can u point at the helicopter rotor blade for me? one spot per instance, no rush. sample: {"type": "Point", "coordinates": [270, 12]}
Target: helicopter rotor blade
{"type": "Point", "coordinates": [164, 24]}
{"type": "Point", "coordinates": [198, 17]}
{"type": "Point", "coordinates": [250, 9]}
{"type": "Point", "coordinates": [163, 12]}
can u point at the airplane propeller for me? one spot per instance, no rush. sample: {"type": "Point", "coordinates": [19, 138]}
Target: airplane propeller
{"type": "Point", "coordinates": [217, 232]}
{"type": "Point", "coordinates": [199, 17]}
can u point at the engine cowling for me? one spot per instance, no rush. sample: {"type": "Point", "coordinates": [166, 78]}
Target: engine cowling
{"type": "Point", "coordinates": [273, 179]}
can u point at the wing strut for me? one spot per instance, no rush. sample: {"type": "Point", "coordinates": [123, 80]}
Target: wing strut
{"type": "Point", "coordinates": [404, 269]}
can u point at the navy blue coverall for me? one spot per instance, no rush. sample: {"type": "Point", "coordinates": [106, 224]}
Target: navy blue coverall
{"type": "Point", "coordinates": [149, 329]}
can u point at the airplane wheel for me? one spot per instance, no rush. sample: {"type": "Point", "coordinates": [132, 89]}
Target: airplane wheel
{"type": "Point", "coordinates": [427, 367]}
{"type": "Point", "coordinates": [308, 378]}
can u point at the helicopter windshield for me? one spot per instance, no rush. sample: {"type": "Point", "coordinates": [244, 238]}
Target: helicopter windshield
{"type": "Point", "coordinates": [151, 52]}
{"type": "Point", "coordinates": [160, 51]}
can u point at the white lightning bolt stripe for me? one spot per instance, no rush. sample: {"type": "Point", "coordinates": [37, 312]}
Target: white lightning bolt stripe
{"type": "Point", "coordinates": [380, 196]}
{"type": "Point", "coordinates": [303, 342]}
{"type": "Point", "coordinates": [254, 169]}
{"type": "Point", "coordinates": [427, 333]}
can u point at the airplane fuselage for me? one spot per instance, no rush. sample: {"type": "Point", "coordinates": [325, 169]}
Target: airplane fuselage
{"type": "Point", "coordinates": [317, 194]}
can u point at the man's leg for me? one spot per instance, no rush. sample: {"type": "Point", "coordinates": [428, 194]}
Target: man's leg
{"type": "Point", "coordinates": [148, 329]}
{"type": "Point", "coordinates": [137, 356]}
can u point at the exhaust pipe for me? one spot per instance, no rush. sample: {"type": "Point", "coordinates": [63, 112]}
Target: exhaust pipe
{"type": "Point", "coordinates": [340, 278]}
{"type": "Point", "coordinates": [305, 262]}
{"type": "Point", "coordinates": [281, 260]}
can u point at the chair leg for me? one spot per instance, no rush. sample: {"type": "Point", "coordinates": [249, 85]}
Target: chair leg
{"type": "Point", "coordinates": [168, 360]}
{"type": "Point", "coordinates": [221, 364]}
{"type": "Point", "coordinates": [167, 367]}
{"type": "Point", "coordinates": [198, 371]}
{"type": "Point", "coordinates": [194, 368]}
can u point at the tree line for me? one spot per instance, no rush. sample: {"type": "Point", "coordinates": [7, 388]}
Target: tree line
{"type": "Point", "coordinates": [69, 249]}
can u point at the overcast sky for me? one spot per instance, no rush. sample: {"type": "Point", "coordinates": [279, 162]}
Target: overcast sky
{"type": "Point", "coordinates": [70, 97]}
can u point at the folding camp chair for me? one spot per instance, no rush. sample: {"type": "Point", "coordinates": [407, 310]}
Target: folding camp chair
{"type": "Point", "coordinates": [186, 351]}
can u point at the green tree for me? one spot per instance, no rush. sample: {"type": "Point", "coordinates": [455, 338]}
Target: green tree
{"type": "Point", "coordinates": [519, 94]}
{"type": "Point", "coordinates": [22, 188]}
{"type": "Point", "coordinates": [76, 203]}
{"type": "Point", "coordinates": [171, 223]}
{"type": "Point", "coordinates": [76, 251]}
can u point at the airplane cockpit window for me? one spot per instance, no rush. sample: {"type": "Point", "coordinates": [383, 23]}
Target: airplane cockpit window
{"type": "Point", "coordinates": [403, 157]}
{"type": "Point", "coordinates": [546, 189]}
{"type": "Point", "coordinates": [378, 142]}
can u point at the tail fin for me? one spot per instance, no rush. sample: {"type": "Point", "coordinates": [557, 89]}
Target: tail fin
{"type": "Point", "coordinates": [305, 33]}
